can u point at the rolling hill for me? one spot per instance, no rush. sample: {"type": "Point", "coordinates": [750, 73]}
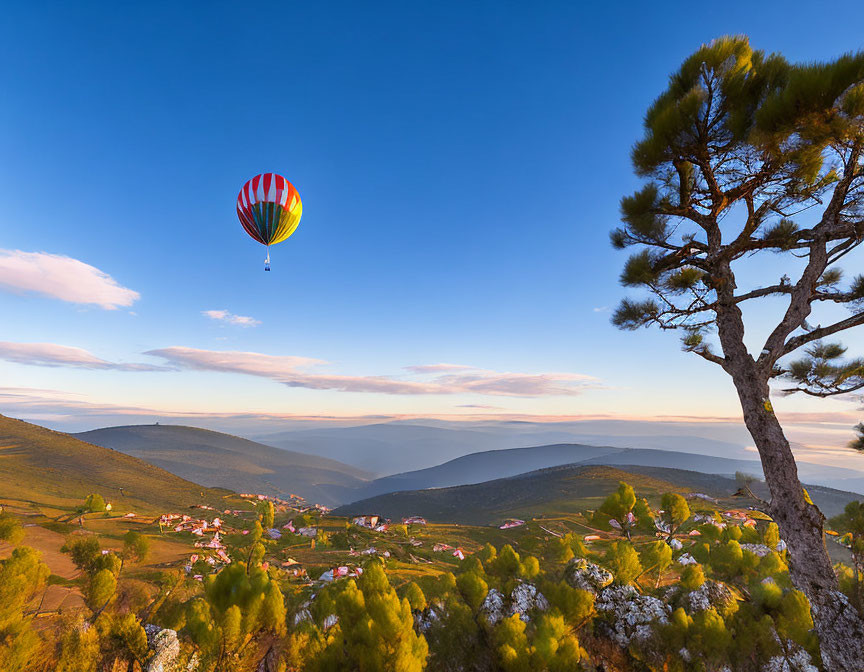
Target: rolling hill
{"type": "Point", "coordinates": [491, 464]}
{"type": "Point", "coordinates": [480, 467]}
{"type": "Point", "coordinates": [44, 467]}
{"type": "Point", "coordinates": [222, 460]}
{"type": "Point", "coordinates": [558, 490]}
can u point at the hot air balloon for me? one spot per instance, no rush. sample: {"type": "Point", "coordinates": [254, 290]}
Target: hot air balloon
{"type": "Point", "coordinates": [269, 209]}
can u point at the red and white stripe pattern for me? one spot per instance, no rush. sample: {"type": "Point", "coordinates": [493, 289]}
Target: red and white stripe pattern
{"type": "Point", "coordinates": [267, 188]}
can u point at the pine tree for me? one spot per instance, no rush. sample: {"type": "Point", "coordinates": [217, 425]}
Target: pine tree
{"type": "Point", "coordinates": [11, 530]}
{"type": "Point", "coordinates": [83, 550]}
{"type": "Point", "coordinates": [22, 577]}
{"type": "Point", "coordinates": [267, 513]}
{"type": "Point", "coordinates": [94, 503]}
{"type": "Point", "coordinates": [618, 509]}
{"type": "Point", "coordinates": [375, 631]}
{"type": "Point", "coordinates": [414, 595]}
{"type": "Point", "coordinates": [473, 589]}
{"type": "Point", "coordinates": [737, 149]}
{"type": "Point", "coordinates": [676, 512]}
{"type": "Point", "coordinates": [656, 557]}
{"type": "Point", "coordinates": [136, 547]}
{"type": "Point", "coordinates": [623, 561]}
{"type": "Point", "coordinates": [79, 649]}
{"type": "Point", "coordinates": [103, 585]}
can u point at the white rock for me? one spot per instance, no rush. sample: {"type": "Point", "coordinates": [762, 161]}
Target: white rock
{"type": "Point", "coordinates": [709, 594]}
{"type": "Point", "coordinates": [586, 575]}
{"type": "Point", "coordinates": [758, 549]}
{"type": "Point", "coordinates": [303, 614]}
{"type": "Point", "coordinates": [632, 616]}
{"type": "Point", "coordinates": [799, 661]}
{"type": "Point", "coordinates": [493, 607]}
{"type": "Point", "coordinates": [427, 618]}
{"type": "Point", "coordinates": [524, 598]}
{"type": "Point", "coordinates": [166, 648]}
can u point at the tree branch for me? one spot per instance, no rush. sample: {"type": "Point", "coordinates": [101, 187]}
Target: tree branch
{"type": "Point", "coordinates": [794, 343]}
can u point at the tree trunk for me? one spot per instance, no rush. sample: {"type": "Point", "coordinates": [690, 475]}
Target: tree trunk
{"type": "Point", "coordinates": [838, 624]}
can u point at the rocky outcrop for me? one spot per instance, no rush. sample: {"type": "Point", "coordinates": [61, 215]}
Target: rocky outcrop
{"type": "Point", "coordinates": [585, 575]}
{"type": "Point", "coordinates": [428, 618]}
{"type": "Point", "coordinates": [303, 613]}
{"type": "Point", "coordinates": [165, 646]}
{"type": "Point", "coordinates": [493, 607]}
{"type": "Point", "coordinates": [711, 594]}
{"type": "Point", "coordinates": [629, 615]}
{"type": "Point", "coordinates": [525, 598]}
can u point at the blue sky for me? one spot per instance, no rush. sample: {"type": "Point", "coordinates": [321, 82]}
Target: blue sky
{"type": "Point", "coordinates": [460, 166]}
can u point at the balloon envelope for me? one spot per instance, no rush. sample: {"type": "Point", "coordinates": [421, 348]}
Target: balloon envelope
{"type": "Point", "coordinates": [269, 208]}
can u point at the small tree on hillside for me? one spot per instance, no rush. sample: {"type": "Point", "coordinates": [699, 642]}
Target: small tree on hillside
{"type": "Point", "coordinates": [22, 576]}
{"type": "Point", "coordinates": [745, 155]}
{"type": "Point", "coordinates": [11, 530]}
{"type": "Point", "coordinates": [136, 547]}
{"type": "Point", "coordinates": [94, 503]}
{"type": "Point", "coordinates": [617, 509]}
{"type": "Point", "coordinates": [85, 551]}
{"type": "Point", "coordinates": [267, 513]}
{"type": "Point", "coordinates": [675, 513]}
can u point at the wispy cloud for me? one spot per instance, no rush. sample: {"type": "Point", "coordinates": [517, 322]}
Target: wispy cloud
{"type": "Point", "coordinates": [437, 368]}
{"type": "Point", "coordinates": [51, 354]}
{"type": "Point", "coordinates": [231, 318]}
{"type": "Point", "coordinates": [481, 407]}
{"type": "Point", "coordinates": [291, 371]}
{"type": "Point", "coordinates": [518, 384]}
{"type": "Point", "coordinates": [62, 278]}
{"type": "Point", "coordinates": [601, 309]}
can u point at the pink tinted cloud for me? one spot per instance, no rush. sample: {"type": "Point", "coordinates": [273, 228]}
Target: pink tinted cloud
{"type": "Point", "coordinates": [519, 384]}
{"type": "Point", "coordinates": [231, 318]}
{"type": "Point", "coordinates": [52, 354]}
{"type": "Point", "coordinates": [290, 371]}
{"type": "Point", "coordinates": [437, 368]}
{"type": "Point", "coordinates": [62, 278]}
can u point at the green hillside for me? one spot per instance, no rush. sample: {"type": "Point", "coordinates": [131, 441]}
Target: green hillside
{"type": "Point", "coordinates": [551, 491]}
{"type": "Point", "coordinates": [46, 468]}
{"type": "Point", "coordinates": [222, 460]}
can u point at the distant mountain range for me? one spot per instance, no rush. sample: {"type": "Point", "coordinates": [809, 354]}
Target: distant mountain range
{"type": "Point", "coordinates": [223, 460]}
{"type": "Point", "coordinates": [399, 447]}
{"type": "Point", "coordinates": [394, 447]}
{"type": "Point", "coordinates": [226, 461]}
{"type": "Point", "coordinates": [492, 464]}
{"type": "Point", "coordinates": [51, 469]}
